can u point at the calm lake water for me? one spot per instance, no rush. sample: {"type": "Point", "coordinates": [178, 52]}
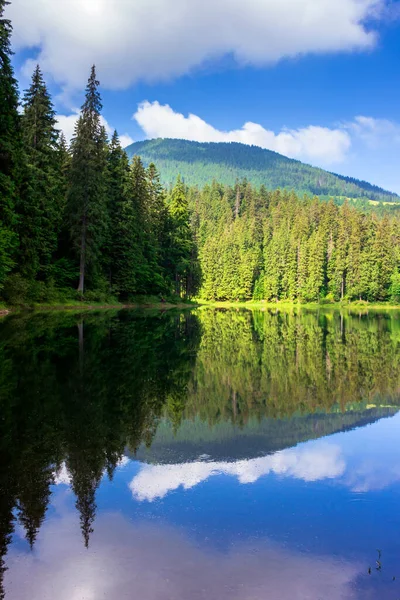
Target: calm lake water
{"type": "Point", "coordinates": [212, 454]}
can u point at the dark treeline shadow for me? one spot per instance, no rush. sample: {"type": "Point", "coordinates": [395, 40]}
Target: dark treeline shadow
{"type": "Point", "coordinates": [83, 391]}
{"type": "Point", "coordinates": [78, 391]}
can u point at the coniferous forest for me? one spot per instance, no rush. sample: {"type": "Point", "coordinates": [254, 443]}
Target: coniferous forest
{"type": "Point", "coordinates": [80, 221]}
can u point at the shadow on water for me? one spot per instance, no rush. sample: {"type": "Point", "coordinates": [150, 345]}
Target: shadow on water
{"type": "Point", "coordinates": [83, 391]}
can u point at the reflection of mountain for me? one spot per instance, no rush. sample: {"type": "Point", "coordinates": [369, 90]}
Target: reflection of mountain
{"type": "Point", "coordinates": [314, 463]}
{"type": "Point", "coordinates": [227, 442]}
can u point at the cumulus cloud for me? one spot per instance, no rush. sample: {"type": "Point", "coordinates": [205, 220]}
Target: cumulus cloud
{"type": "Point", "coordinates": [309, 464]}
{"type": "Point", "coordinates": [313, 143]}
{"type": "Point", "coordinates": [156, 40]}
{"type": "Point", "coordinates": [141, 560]}
{"type": "Point", "coordinates": [67, 123]}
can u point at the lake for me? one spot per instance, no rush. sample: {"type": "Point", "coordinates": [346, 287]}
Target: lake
{"type": "Point", "coordinates": [206, 454]}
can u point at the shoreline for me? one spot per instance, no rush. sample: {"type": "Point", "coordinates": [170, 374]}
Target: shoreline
{"type": "Point", "coordinates": [4, 311]}
{"type": "Point", "coordinates": [264, 305]}
{"type": "Point", "coordinates": [282, 305]}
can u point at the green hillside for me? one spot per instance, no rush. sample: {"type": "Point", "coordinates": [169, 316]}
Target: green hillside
{"type": "Point", "coordinates": [200, 163]}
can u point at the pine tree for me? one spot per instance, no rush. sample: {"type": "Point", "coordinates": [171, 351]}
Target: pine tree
{"type": "Point", "coordinates": [149, 278]}
{"type": "Point", "coordinates": [87, 196]}
{"type": "Point", "coordinates": [181, 238]}
{"type": "Point", "coordinates": [117, 192]}
{"type": "Point", "coordinates": [41, 206]}
{"type": "Point", "coordinates": [132, 270]}
{"type": "Point", "coordinates": [10, 148]}
{"type": "Point", "coordinates": [160, 224]}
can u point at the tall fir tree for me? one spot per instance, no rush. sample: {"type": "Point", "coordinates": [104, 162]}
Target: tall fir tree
{"type": "Point", "coordinates": [181, 239]}
{"type": "Point", "coordinates": [87, 196]}
{"type": "Point", "coordinates": [41, 208]}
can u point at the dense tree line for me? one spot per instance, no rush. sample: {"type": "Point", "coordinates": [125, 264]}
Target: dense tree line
{"type": "Point", "coordinates": [200, 163]}
{"type": "Point", "coordinates": [81, 216]}
{"type": "Point", "coordinates": [255, 244]}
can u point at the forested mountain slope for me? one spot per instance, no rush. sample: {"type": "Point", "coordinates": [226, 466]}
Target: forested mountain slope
{"type": "Point", "coordinates": [200, 163]}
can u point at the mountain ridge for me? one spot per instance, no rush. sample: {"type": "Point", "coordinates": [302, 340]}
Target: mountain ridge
{"type": "Point", "coordinates": [200, 163]}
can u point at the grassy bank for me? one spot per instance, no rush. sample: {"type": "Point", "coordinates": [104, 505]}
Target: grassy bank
{"type": "Point", "coordinates": [147, 302]}
{"type": "Point", "coordinates": [151, 302]}
{"type": "Point", "coordinates": [287, 305]}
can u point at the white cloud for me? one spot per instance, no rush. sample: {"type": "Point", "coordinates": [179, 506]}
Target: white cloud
{"type": "Point", "coordinates": [66, 123]}
{"type": "Point", "coordinates": [309, 464]}
{"type": "Point", "coordinates": [125, 140]}
{"type": "Point", "coordinates": [127, 559]}
{"type": "Point", "coordinates": [159, 39]}
{"type": "Point", "coordinates": [316, 144]}
{"type": "Point", "coordinates": [375, 132]}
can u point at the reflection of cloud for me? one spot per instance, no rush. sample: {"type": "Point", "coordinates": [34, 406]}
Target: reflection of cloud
{"type": "Point", "coordinates": [62, 477]}
{"type": "Point", "coordinates": [127, 560]}
{"type": "Point", "coordinates": [310, 464]}
{"type": "Point", "coordinates": [372, 475]}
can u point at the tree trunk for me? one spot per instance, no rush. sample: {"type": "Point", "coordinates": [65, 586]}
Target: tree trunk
{"type": "Point", "coordinates": [82, 265]}
{"type": "Point", "coordinates": [237, 205]}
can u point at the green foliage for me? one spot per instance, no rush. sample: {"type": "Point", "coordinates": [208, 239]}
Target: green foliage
{"type": "Point", "coordinates": [181, 253]}
{"type": "Point", "coordinates": [87, 199]}
{"type": "Point", "coordinates": [40, 206]}
{"type": "Point", "coordinates": [275, 246]}
{"type": "Point", "coordinates": [394, 290]}
{"type": "Point", "coordinates": [10, 149]}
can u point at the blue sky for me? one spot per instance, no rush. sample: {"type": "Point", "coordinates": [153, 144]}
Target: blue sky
{"type": "Point", "coordinates": [318, 80]}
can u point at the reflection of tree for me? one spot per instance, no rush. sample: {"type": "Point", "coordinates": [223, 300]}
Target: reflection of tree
{"type": "Point", "coordinates": [33, 497]}
{"type": "Point", "coordinates": [7, 499]}
{"type": "Point", "coordinates": [79, 395]}
{"type": "Point", "coordinates": [277, 365]}
{"type": "Point", "coordinates": [84, 394]}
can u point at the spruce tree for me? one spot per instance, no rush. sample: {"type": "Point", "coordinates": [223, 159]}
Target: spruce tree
{"type": "Point", "coordinates": [132, 271]}
{"type": "Point", "coordinates": [118, 185]}
{"type": "Point", "coordinates": [41, 206]}
{"type": "Point", "coordinates": [181, 238]}
{"type": "Point", "coordinates": [87, 196]}
{"type": "Point", "coordinates": [10, 148]}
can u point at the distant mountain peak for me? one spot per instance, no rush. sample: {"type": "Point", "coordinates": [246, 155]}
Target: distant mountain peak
{"type": "Point", "coordinates": [200, 163]}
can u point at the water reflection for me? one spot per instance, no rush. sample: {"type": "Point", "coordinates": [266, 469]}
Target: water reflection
{"type": "Point", "coordinates": [143, 560]}
{"type": "Point", "coordinates": [195, 397]}
{"type": "Point", "coordinates": [309, 464]}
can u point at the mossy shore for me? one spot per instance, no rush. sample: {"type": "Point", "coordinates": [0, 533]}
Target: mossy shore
{"type": "Point", "coordinates": [286, 305]}
{"type": "Point", "coordinates": [90, 306]}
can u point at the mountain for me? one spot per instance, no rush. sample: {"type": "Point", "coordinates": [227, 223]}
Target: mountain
{"type": "Point", "coordinates": [200, 163]}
